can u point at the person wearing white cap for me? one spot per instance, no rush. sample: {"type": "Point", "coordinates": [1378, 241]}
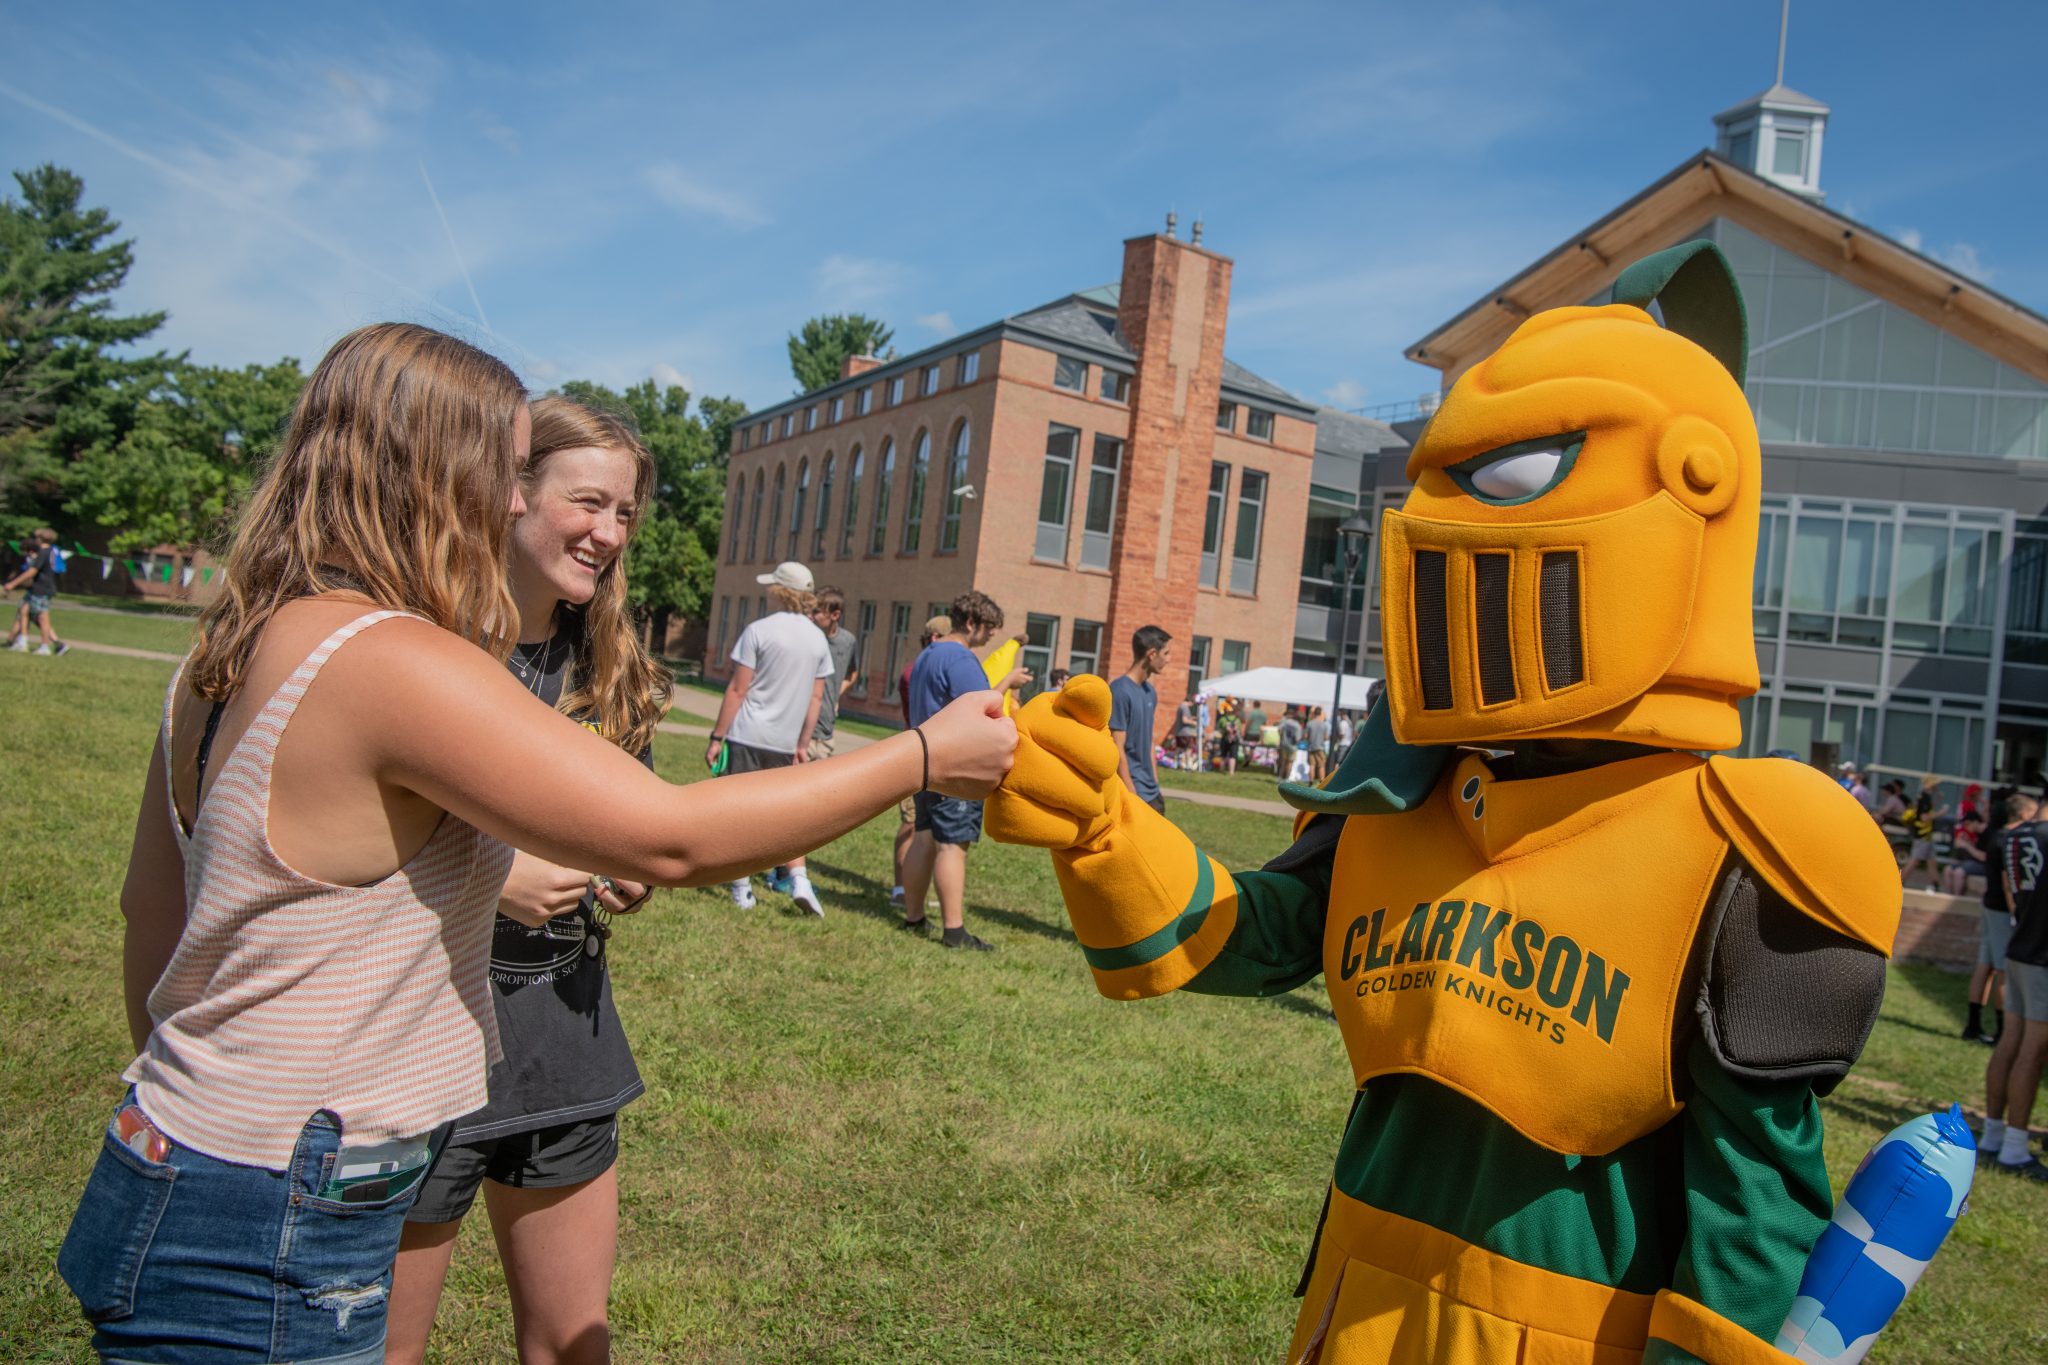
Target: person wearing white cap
{"type": "Point", "coordinates": [781, 664]}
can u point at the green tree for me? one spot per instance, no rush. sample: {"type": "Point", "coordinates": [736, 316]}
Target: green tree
{"type": "Point", "coordinates": [62, 391]}
{"type": "Point", "coordinates": [197, 437]}
{"type": "Point", "coordinates": [817, 352]}
{"type": "Point", "coordinates": [672, 561]}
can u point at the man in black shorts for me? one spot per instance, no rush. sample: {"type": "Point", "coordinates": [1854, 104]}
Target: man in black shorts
{"type": "Point", "coordinates": [2014, 1075]}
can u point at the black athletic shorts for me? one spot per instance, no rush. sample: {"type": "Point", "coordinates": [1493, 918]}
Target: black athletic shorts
{"type": "Point", "coordinates": [745, 758]}
{"type": "Point", "coordinates": [544, 1159]}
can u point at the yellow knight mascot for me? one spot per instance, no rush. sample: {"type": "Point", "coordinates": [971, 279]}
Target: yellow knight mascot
{"type": "Point", "coordinates": [1592, 982]}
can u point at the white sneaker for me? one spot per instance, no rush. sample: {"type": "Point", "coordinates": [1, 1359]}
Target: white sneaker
{"type": "Point", "coordinates": [896, 899]}
{"type": "Point", "coordinates": [20, 645]}
{"type": "Point", "coordinates": [800, 892]}
{"type": "Point", "coordinates": [43, 649]}
{"type": "Point", "coordinates": [743, 893]}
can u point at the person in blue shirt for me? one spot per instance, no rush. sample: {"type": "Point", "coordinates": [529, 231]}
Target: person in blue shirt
{"type": "Point", "coordinates": [1133, 705]}
{"type": "Point", "coordinates": [947, 825]}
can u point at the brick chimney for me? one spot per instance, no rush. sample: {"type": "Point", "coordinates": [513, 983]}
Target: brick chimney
{"type": "Point", "coordinates": [857, 364]}
{"type": "Point", "coordinates": [1172, 309]}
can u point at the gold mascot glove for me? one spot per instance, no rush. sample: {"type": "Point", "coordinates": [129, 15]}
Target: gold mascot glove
{"type": "Point", "coordinates": [1150, 909]}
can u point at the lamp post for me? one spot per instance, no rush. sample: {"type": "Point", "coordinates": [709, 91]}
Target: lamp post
{"type": "Point", "coordinates": [1351, 537]}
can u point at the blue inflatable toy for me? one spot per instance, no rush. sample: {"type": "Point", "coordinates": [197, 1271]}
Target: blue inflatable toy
{"type": "Point", "coordinates": [1900, 1204]}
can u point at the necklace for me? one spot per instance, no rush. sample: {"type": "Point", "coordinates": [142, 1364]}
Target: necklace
{"type": "Point", "coordinates": [534, 673]}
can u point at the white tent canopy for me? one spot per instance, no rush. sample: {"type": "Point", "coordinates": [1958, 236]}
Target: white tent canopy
{"type": "Point", "coordinates": [1289, 687]}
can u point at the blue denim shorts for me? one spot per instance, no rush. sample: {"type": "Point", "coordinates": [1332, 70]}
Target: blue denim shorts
{"type": "Point", "coordinates": [951, 819]}
{"type": "Point", "coordinates": [197, 1259]}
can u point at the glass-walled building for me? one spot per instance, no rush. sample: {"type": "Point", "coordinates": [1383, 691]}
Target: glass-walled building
{"type": "Point", "coordinates": [1901, 586]}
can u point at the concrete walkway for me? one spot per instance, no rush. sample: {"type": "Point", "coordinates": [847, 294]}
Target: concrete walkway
{"type": "Point", "coordinates": [1247, 803]}
{"type": "Point", "coordinates": [125, 652]}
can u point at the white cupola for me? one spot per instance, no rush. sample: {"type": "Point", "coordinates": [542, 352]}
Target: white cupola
{"type": "Point", "coordinates": [1777, 134]}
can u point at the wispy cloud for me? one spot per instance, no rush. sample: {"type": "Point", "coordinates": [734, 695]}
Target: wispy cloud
{"type": "Point", "coordinates": [1962, 257]}
{"type": "Point", "coordinates": [1346, 393]}
{"type": "Point", "coordinates": [694, 198]}
{"type": "Point", "coordinates": [858, 281]}
{"type": "Point", "coordinates": [453, 249]}
{"type": "Point", "coordinates": [940, 322]}
{"type": "Point", "coordinates": [667, 375]}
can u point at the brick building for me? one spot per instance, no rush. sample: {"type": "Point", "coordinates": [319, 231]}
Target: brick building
{"type": "Point", "coordinates": [1093, 465]}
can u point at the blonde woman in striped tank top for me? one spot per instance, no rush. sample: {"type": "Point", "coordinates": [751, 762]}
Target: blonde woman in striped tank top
{"type": "Point", "coordinates": [325, 828]}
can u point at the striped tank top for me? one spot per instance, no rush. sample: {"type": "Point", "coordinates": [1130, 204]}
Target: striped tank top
{"type": "Point", "coordinates": [287, 995]}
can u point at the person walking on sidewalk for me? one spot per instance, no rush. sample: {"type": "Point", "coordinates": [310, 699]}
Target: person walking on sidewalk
{"type": "Point", "coordinates": [1133, 706]}
{"type": "Point", "coordinates": [39, 572]}
{"type": "Point", "coordinates": [781, 664]}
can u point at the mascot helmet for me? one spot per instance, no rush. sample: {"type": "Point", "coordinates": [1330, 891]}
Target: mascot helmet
{"type": "Point", "coordinates": [1575, 557]}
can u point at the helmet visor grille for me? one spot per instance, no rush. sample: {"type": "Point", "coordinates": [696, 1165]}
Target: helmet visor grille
{"type": "Point", "coordinates": [1432, 630]}
{"type": "Point", "coordinates": [1564, 653]}
{"type": "Point", "coordinates": [1490, 620]}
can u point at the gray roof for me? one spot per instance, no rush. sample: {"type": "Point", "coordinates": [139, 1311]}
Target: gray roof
{"type": "Point", "coordinates": [1081, 319]}
{"type": "Point", "coordinates": [1779, 96]}
{"type": "Point", "coordinates": [1346, 433]}
{"type": "Point", "coordinates": [1073, 321]}
{"type": "Point", "coordinates": [1084, 322]}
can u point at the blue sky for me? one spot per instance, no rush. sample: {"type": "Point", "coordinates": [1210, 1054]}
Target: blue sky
{"type": "Point", "coordinates": [669, 190]}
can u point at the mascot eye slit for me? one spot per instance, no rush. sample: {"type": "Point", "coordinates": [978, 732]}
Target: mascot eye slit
{"type": "Point", "coordinates": [1471, 788]}
{"type": "Point", "coordinates": [1520, 472]}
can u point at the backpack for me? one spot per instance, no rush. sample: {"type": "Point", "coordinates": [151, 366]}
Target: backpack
{"type": "Point", "coordinates": [58, 559]}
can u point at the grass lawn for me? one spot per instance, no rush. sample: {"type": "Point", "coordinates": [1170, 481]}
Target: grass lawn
{"type": "Point", "coordinates": [159, 631]}
{"type": "Point", "coordinates": [855, 1147]}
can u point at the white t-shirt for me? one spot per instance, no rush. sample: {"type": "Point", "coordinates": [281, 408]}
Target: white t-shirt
{"type": "Point", "coordinates": [788, 654]}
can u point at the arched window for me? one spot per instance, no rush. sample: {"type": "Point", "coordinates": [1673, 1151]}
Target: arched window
{"type": "Point", "coordinates": [824, 510]}
{"type": "Point", "coordinates": [735, 506]}
{"type": "Point", "coordinates": [846, 526]}
{"type": "Point", "coordinates": [754, 520]}
{"type": "Point", "coordinates": [796, 504]}
{"type": "Point", "coordinates": [913, 497]}
{"type": "Point", "coordinates": [775, 510]}
{"type": "Point", "coordinates": [956, 484]}
{"type": "Point", "coordinates": [879, 534]}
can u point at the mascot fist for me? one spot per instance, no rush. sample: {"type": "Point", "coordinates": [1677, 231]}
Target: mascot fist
{"type": "Point", "coordinates": [1063, 791]}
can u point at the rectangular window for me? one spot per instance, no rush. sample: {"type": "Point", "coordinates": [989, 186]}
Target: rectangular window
{"type": "Point", "coordinates": [838, 407]}
{"type": "Point", "coordinates": [1244, 549]}
{"type": "Point", "coordinates": [1115, 387]}
{"type": "Point", "coordinates": [863, 638]}
{"type": "Point", "coordinates": [724, 622]}
{"type": "Point", "coordinates": [896, 391]}
{"type": "Point", "coordinates": [930, 385]}
{"type": "Point", "coordinates": [1198, 663]}
{"type": "Point", "coordinates": [1068, 373]}
{"type": "Point", "coordinates": [1258, 424]}
{"type": "Point", "coordinates": [1237, 656]}
{"type": "Point", "coordinates": [739, 624]}
{"type": "Point", "coordinates": [1056, 493]}
{"type": "Point", "coordinates": [764, 433]}
{"type": "Point", "coordinates": [864, 401]}
{"type": "Point", "coordinates": [811, 417]}
{"type": "Point", "coordinates": [899, 648]}
{"type": "Point", "coordinates": [746, 437]}
{"type": "Point", "coordinates": [970, 368]}
{"type": "Point", "coordinates": [1226, 417]}
{"type": "Point", "coordinates": [788, 424]}
{"type": "Point", "coordinates": [1041, 644]}
{"type": "Point", "coordinates": [1788, 154]}
{"type": "Point", "coordinates": [1098, 522]}
{"type": "Point", "coordinates": [1085, 654]}
{"type": "Point", "coordinates": [1212, 523]}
